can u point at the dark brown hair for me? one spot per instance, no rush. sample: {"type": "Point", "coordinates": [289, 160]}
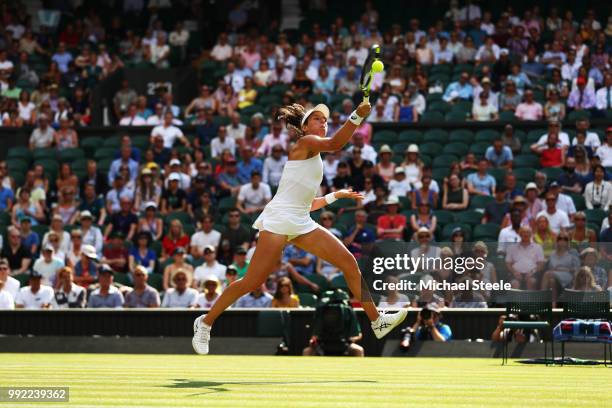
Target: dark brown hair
{"type": "Point", "coordinates": [292, 115]}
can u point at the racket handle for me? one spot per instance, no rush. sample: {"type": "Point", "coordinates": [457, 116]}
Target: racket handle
{"type": "Point", "coordinates": [366, 99]}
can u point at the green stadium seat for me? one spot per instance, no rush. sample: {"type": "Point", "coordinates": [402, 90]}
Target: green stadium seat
{"type": "Point", "coordinates": [507, 116]}
{"type": "Point", "coordinates": [578, 200]}
{"type": "Point", "coordinates": [307, 299]}
{"type": "Point", "coordinates": [385, 136]}
{"type": "Point", "coordinates": [105, 153]}
{"type": "Point", "coordinates": [462, 106]}
{"type": "Point", "coordinates": [529, 161]}
{"type": "Point", "coordinates": [595, 216]}
{"type": "Point", "coordinates": [440, 106]}
{"type": "Point", "coordinates": [141, 142]}
{"type": "Point", "coordinates": [488, 230]}
{"type": "Point", "coordinates": [17, 166]}
{"type": "Point", "coordinates": [104, 165]}
{"type": "Point", "coordinates": [444, 160]}
{"type": "Point", "coordinates": [440, 173]}
{"type": "Point", "coordinates": [123, 279]}
{"type": "Point", "coordinates": [156, 280]}
{"type": "Point", "coordinates": [317, 98]}
{"type": "Point", "coordinates": [433, 97]}
{"type": "Point", "coordinates": [487, 136]}
{"type": "Point", "coordinates": [44, 153]}
{"type": "Point", "coordinates": [444, 216]}
{"type": "Point", "coordinates": [5, 218]}
{"type": "Point", "coordinates": [471, 217]}
{"type": "Point", "coordinates": [552, 173]}
{"type": "Point", "coordinates": [479, 149]}
{"type": "Point", "coordinates": [432, 117]}
{"type": "Point", "coordinates": [70, 155]}
{"type": "Point", "coordinates": [447, 230]}
{"type": "Point", "coordinates": [278, 89]}
{"type": "Point", "coordinates": [336, 99]}
{"type": "Point", "coordinates": [112, 141]}
{"type": "Point", "coordinates": [469, 68]}
{"type": "Point", "coordinates": [430, 149]}
{"type": "Point", "coordinates": [456, 148]}
{"type": "Point", "coordinates": [399, 149]}
{"type": "Point", "coordinates": [410, 136]}
{"type": "Point", "coordinates": [461, 136]}
{"type": "Point", "coordinates": [269, 99]}
{"type": "Point", "coordinates": [581, 114]}
{"type": "Point", "coordinates": [182, 216]}
{"type": "Point", "coordinates": [456, 117]}
{"type": "Point", "coordinates": [253, 109]}
{"type": "Point", "coordinates": [23, 279]}
{"type": "Point", "coordinates": [91, 145]}
{"type": "Point", "coordinates": [51, 167]}
{"type": "Point", "coordinates": [534, 135]}
{"type": "Point", "coordinates": [524, 174]}
{"type": "Point", "coordinates": [441, 69]}
{"type": "Point", "coordinates": [480, 202]}
{"type": "Point", "coordinates": [436, 136]}
{"type": "Point", "coordinates": [226, 204]}
{"type": "Point", "coordinates": [19, 152]}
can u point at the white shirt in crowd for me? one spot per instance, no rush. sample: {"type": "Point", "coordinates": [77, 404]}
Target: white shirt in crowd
{"type": "Point", "coordinates": [559, 219]}
{"type": "Point", "coordinates": [399, 188]}
{"type": "Point", "coordinates": [173, 298]}
{"type": "Point", "coordinates": [507, 235]}
{"type": "Point", "coordinates": [563, 139]}
{"type": "Point", "coordinates": [221, 52]}
{"type": "Point", "coordinates": [367, 153]}
{"type": "Point", "coordinates": [204, 270]}
{"type": "Point", "coordinates": [605, 154]}
{"type": "Point", "coordinates": [11, 285]}
{"type": "Point", "coordinates": [273, 169]}
{"type": "Point", "coordinates": [603, 98]}
{"type": "Point", "coordinates": [169, 134]}
{"type": "Point", "coordinates": [6, 300]}
{"type": "Point", "coordinates": [37, 300]}
{"type": "Point", "coordinates": [236, 132]}
{"type": "Point", "coordinates": [201, 239]}
{"type": "Point", "coordinates": [205, 303]}
{"type": "Point", "coordinates": [598, 195]}
{"type": "Point", "coordinates": [132, 121]}
{"type": "Point", "coordinates": [48, 270]}
{"type": "Point", "coordinates": [217, 146]}
{"type": "Point", "coordinates": [565, 203]}
{"type": "Point", "coordinates": [254, 197]}
{"type": "Point", "coordinates": [591, 140]}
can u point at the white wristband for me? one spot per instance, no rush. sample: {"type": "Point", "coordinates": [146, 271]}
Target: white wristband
{"type": "Point", "coordinates": [355, 119]}
{"type": "Point", "coordinates": [330, 198]}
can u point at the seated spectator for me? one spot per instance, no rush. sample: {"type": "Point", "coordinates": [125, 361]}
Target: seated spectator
{"type": "Point", "coordinates": [483, 110]}
{"type": "Point", "coordinates": [405, 111]}
{"type": "Point", "coordinates": [143, 295]}
{"type": "Point", "coordinates": [582, 97]}
{"type": "Point", "coordinates": [248, 164]}
{"type": "Point", "coordinates": [222, 51]}
{"type": "Point", "coordinates": [76, 243]}
{"type": "Point", "coordinates": [424, 193]}
{"type": "Point", "coordinates": [16, 253]}
{"type": "Point", "coordinates": [284, 297]}
{"type": "Point", "coordinates": [90, 234]}
{"type": "Point", "coordinates": [598, 193]}
{"type": "Point", "coordinates": [570, 181]}
{"type": "Point", "coordinates": [562, 265]}
{"type": "Point", "coordinates": [141, 254]}
{"type": "Point", "coordinates": [324, 84]}
{"type": "Point", "coordinates": [558, 219]}
{"type": "Point", "coordinates": [393, 299]}
{"type": "Point", "coordinates": [131, 117]}
{"type": "Point", "coordinates": [174, 198]}
{"type": "Point", "coordinates": [581, 236]}
{"type": "Point", "coordinates": [124, 160]}
{"type": "Point", "coordinates": [35, 295]}
{"type": "Point", "coordinates": [302, 261]}
{"type": "Point", "coordinates": [603, 96]}
{"type": "Point", "coordinates": [26, 207]}
{"type": "Point", "coordinates": [182, 294]}
{"type": "Point", "coordinates": [7, 301]}
{"type": "Point", "coordinates": [461, 89]}
{"type": "Point", "coordinates": [468, 298]}
{"type": "Point", "coordinates": [360, 237]}
{"type": "Point", "coordinates": [423, 219]}
{"type": "Point", "coordinates": [488, 53]}
{"type": "Point", "coordinates": [66, 137]}
{"type": "Point", "coordinates": [174, 264]}
{"type": "Point", "coordinates": [590, 258]}
{"type": "Point", "coordinates": [391, 225]}
{"type": "Point", "coordinates": [554, 109]}
{"type": "Point", "coordinates": [168, 132]}
{"type": "Point", "coordinates": [68, 295]}
{"type": "Point", "coordinates": [499, 155]}
{"type": "Point", "coordinates": [207, 235]}
{"type": "Point", "coordinates": [496, 210]}
{"type": "Point", "coordinates": [228, 179]}
{"type": "Point", "coordinates": [30, 239]}
{"type": "Point", "coordinates": [524, 261]}
{"type": "Point", "coordinates": [42, 136]}
{"type": "Point", "coordinates": [106, 295]}
{"type": "Point", "coordinates": [564, 202]}
{"type": "Point", "coordinates": [259, 298]}
{"type": "Point", "coordinates": [47, 266]}
{"type": "Point", "coordinates": [552, 154]}
{"type": "Point", "coordinates": [509, 98]}
{"type": "Point", "coordinates": [399, 186]}
{"type": "Point", "coordinates": [604, 152]}
{"type": "Point", "coordinates": [210, 267]}
{"type": "Point", "coordinates": [222, 142]}
{"type": "Point", "coordinates": [124, 97]}
{"type": "Point", "coordinates": [119, 193]}
{"type": "Point", "coordinates": [115, 253]}
{"type": "Point", "coordinates": [247, 95]}
{"type": "Point", "coordinates": [253, 197]}
{"type": "Point", "coordinates": [481, 183]}
{"type": "Point", "coordinates": [241, 264]}
{"type": "Point", "coordinates": [454, 195]}
{"type": "Point", "coordinates": [529, 109]}
{"type": "Point", "coordinates": [211, 291]}
{"type": "Point", "coordinates": [236, 234]}
{"type": "Point", "coordinates": [585, 281]}
{"type": "Point", "coordinates": [123, 221]}
{"type": "Point", "coordinates": [175, 238]}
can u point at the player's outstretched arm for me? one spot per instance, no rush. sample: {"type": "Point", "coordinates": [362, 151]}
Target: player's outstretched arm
{"type": "Point", "coordinates": [316, 144]}
{"type": "Point", "coordinates": [320, 202]}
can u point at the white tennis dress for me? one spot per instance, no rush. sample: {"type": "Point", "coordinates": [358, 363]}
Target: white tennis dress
{"type": "Point", "coordinates": [288, 213]}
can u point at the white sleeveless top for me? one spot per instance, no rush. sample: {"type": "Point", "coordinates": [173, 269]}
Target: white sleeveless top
{"type": "Point", "coordinates": [289, 211]}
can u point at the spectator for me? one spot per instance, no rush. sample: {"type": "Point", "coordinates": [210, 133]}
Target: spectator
{"type": "Point", "coordinates": [241, 264]}
{"type": "Point", "coordinates": [47, 266]}
{"type": "Point", "coordinates": [62, 57]}
{"type": "Point", "coordinates": [236, 234]}
{"type": "Point", "coordinates": [562, 265]}
{"type": "Point", "coordinates": [499, 155]}
{"type": "Point", "coordinates": [210, 267]}
{"type": "Point", "coordinates": [211, 289]}
{"type": "Point", "coordinates": [124, 98]}
{"type": "Point", "coordinates": [552, 154]}
{"type": "Point", "coordinates": [529, 109]}
{"type": "Point", "coordinates": [590, 258]}
{"type": "Point", "coordinates": [174, 198]}
{"type": "Point", "coordinates": [143, 295]}
{"type": "Point", "coordinates": [360, 237]}
{"type": "Point", "coordinates": [86, 270]}
{"type": "Point", "coordinates": [399, 186]}
{"type": "Point", "coordinates": [524, 260]}
{"type": "Point", "coordinates": [43, 135]}
{"type": "Point", "coordinates": [254, 196]}
{"type": "Point", "coordinates": [168, 132]}
{"type": "Point", "coordinates": [604, 152]}
{"type": "Point", "coordinates": [273, 166]}
{"type": "Point", "coordinates": [35, 295]}
{"type": "Point", "coordinates": [205, 237]}
{"type": "Point", "coordinates": [68, 295]}
{"type": "Point", "coordinates": [276, 137]}
{"type": "Point", "coordinates": [235, 129]}
{"type": "Point", "coordinates": [30, 239]}
{"type": "Point", "coordinates": [174, 264]}
{"type": "Point", "coordinates": [6, 198]}
{"type": "Point", "coordinates": [558, 219]}
{"type": "Point", "coordinates": [301, 260]}
{"type": "Point", "coordinates": [459, 90]}
{"type": "Point", "coordinates": [141, 254]}
{"type": "Point", "coordinates": [123, 221]}
{"type": "Point", "coordinates": [509, 98]}
{"type": "Point", "coordinates": [7, 301]}
{"type": "Point", "coordinates": [564, 202]}
{"type": "Point", "coordinates": [405, 111]}
{"type": "Point", "coordinates": [16, 253]}
{"type": "Point", "coordinates": [554, 109]}
{"type": "Point", "coordinates": [222, 142]}
{"type": "Point", "coordinates": [517, 335]}
{"type": "Point", "coordinates": [115, 253]}
{"type": "Point", "coordinates": [424, 192]}
{"type": "Point", "coordinates": [598, 193]}
{"type": "Point", "coordinates": [222, 51]}
{"type": "Point", "coordinates": [603, 96]}
{"type": "Point", "coordinates": [11, 285]}
{"type": "Point", "coordinates": [175, 238]}
{"type": "Point", "coordinates": [181, 295]}
{"type": "Point", "coordinates": [131, 117]}
{"type": "Point", "coordinates": [581, 97]}
{"type": "Point", "coordinates": [495, 211]}
{"type": "Point", "coordinates": [427, 327]}
{"type": "Point", "coordinates": [259, 298]}
{"type": "Point", "coordinates": [423, 220]}
{"type": "Point", "coordinates": [481, 183]}
{"type": "Point", "coordinates": [284, 297]}
{"type": "Point", "coordinates": [454, 196]}
{"type": "Point", "coordinates": [392, 224]}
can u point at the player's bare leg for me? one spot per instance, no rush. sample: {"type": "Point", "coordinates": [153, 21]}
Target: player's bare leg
{"type": "Point", "coordinates": [325, 245]}
{"type": "Point", "coordinates": [265, 259]}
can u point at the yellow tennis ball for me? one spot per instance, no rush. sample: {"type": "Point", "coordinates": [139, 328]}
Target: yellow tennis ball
{"type": "Point", "coordinates": [378, 66]}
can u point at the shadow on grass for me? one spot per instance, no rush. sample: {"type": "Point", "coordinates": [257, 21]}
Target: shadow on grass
{"type": "Point", "coordinates": [212, 387]}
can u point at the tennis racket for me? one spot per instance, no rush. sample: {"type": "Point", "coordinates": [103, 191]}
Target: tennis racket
{"type": "Point", "coordinates": [366, 72]}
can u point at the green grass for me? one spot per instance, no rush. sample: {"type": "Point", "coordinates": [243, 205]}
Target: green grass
{"type": "Point", "coordinates": [245, 381]}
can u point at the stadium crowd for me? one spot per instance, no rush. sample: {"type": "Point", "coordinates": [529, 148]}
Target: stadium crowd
{"type": "Point", "coordinates": [169, 217]}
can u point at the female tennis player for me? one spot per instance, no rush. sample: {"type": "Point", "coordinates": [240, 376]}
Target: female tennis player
{"type": "Point", "coordinates": [286, 218]}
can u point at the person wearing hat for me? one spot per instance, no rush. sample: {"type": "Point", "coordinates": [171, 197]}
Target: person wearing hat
{"type": "Point", "coordinates": [210, 266]}
{"type": "Point", "coordinates": [391, 225]}
{"type": "Point", "coordinates": [48, 265]}
{"type": "Point", "coordinates": [534, 204]}
{"type": "Point", "coordinates": [565, 202]}
{"type": "Point", "coordinates": [86, 269]}
{"type": "Point", "coordinates": [147, 190]}
{"type": "Point", "coordinates": [174, 198]}
{"type": "Point", "coordinates": [143, 295]}
{"type": "Point", "coordinates": [211, 291]}
{"type": "Point", "coordinates": [590, 257]}
{"type": "Point", "coordinates": [106, 295]}
{"type": "Point", "coordinates": [385, 167]}
{"type": "Point", "coordinates": [90, 233]}
{"type": "Point", "coordinates": [424, 218]}
{"type": "Point", "coordinates": [240, 261]}
{"type": "Point", "coordinates": [413, 166]}
{"type": "Point", "coordinates": [399, 186]}
{"type": "Point", "coordinates": [287, 218]}
{"type": "Point", "coordinates": [36, 295]}
{"type": "Point", "coordinates": [178, 263]}
{"type": "Point", "coordinates": [428, 326]}
{"type": "Point", "coordinates": [182, 294]}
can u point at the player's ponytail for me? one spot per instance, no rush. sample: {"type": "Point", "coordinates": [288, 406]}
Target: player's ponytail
{"type": "Point", "coordinates": [292, 115]}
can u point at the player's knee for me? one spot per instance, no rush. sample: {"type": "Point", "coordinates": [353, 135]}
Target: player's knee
{"type": "Point", "coordinates": [249, 285]}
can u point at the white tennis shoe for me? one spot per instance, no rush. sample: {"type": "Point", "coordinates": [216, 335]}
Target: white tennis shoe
{"type": "Point", "coordinates": [201, 336]}
{"type": "Point", "coordinates": [387, 322]}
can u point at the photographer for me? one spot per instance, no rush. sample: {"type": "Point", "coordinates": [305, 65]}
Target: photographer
{"type": "Point", "coordinates": [335, 328]}
{"type": "Point", "coordinates": [427, 327]}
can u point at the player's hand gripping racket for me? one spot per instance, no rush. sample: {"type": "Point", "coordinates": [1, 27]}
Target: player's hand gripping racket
{"type": "Point", "coordinates": [371, 65]}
